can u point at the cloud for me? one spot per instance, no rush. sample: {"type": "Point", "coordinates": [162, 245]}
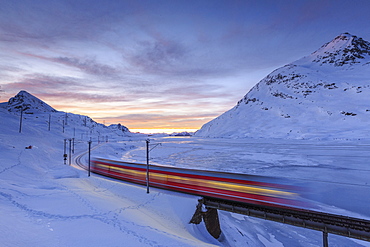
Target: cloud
{"type": "Point", "coordinates": [87, 65]}
{"type": "Point", "coordinates": [54, 88]}
{"type": "Point", "coordinates": [158, 60]}
{"type": "Point", "coordinates": [159, 57]}
{"type": "Point", "coordinates": [90, 66]}
{"type": "Point", "coordinates": [8, 72]}
{"type": "Point", "coordinates": [173, 59]}
{"type": "Point", "coordinates": [41, 82]}
{"type": "Point", "coordinates": [61, 89]}
{"type": "Point", "coordinates": [47, 22]}
{"type": "Point", "coordinates": [139, 121]}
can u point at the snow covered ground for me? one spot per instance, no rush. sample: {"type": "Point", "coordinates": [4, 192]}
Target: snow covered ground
{"type": "Point", "coordinates": [46, 203]}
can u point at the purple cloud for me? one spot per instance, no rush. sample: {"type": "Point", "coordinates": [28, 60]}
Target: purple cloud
{"type": "Point", "coordinates": [90, 66]}
{"type": "Point", "coordinates": [87, 65]}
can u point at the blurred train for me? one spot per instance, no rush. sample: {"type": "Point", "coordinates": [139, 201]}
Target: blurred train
{"type": "Point", "coordinates": [243, 188]}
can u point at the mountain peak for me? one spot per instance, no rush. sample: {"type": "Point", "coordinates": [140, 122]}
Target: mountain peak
{"type": "Point", "coordinates": [345, 49]}
{"type": "Point", "coordinates": [323, 95]}
{"type": "Point", "coordinates": [29, 103]}
{"type": "Point", "coordinates": [24, 93]}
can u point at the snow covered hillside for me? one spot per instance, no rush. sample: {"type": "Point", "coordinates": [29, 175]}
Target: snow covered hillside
{"type": "Point", "coordinates": [48, 118]}
{"type": "Point", "coordinates": [44, 202]}
{"type": "Point", "coordinates": [322, 96]}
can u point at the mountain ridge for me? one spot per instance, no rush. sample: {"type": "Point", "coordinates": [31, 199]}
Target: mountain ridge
{"type": "Point", "coordinates": [303, 98]}
{"type": "Point", "coordinates": [31, 105]}
{"type": "Point", "coordinates": [27, 103]}
{"type": "Point", "coordinates": [342, 50]}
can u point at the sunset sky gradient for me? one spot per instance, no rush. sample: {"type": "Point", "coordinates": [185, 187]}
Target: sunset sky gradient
{"type": "Point", "coordinates": [159, 64]}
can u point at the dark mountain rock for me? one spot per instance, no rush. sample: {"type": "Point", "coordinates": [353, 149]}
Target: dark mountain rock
{"type": "Point", "coordinates": [28, 103]}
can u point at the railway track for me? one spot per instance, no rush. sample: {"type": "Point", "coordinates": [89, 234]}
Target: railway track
{"type": "Point", "coordinates": [78, 159]}
{"type": "Point", "coordinates": [315, 220]}
{"type": "Point", "coordinates": [325, 222]}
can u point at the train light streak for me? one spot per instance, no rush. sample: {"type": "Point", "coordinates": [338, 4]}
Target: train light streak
{"type": "Point", "coordinates": [235, 187]}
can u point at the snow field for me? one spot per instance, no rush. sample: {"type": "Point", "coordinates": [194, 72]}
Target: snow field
{"type": "Point", "coordinates": [46, 203]}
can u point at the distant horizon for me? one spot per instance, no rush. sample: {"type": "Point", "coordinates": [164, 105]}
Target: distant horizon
{"type": "Point", "coordinates": [162, 130]}
{"type": "Point", "coordinates": [157, 130]}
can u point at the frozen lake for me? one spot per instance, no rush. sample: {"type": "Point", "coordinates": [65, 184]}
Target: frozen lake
{"type": "Point", "coordinates": [336, 174]}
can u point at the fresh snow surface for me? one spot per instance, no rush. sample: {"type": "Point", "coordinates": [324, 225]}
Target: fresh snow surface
{"type": "Point", "coordinates": [44, 202]}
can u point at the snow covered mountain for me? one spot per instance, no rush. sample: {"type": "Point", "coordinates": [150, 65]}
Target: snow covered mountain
{"type": "Point", "coordinates": [29, 104]}
{"type": "Point", "coordinates": [37, 110]}
{"type": "Point", "coordinates": [323, 95]}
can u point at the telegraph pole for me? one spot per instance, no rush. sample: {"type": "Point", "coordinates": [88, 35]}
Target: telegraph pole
{"type": "Point", "coordinates": [89, 157]}
{"type": "Point", "coordinates": [70, 151]}
{"type": "Point", "coordinates": [65, 154]}
{"type": "Point", "coordinates": [147, 165]}
{"type": "Point", "coordinates": [20, 121]}
{"type": "Point", "coordinates": [147, 162]}
{"type": "Point", "coordinates": [49, 121]}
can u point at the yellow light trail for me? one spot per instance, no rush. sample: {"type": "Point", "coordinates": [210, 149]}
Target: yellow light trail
{"type": "Point", "coordinates": [207, 183]}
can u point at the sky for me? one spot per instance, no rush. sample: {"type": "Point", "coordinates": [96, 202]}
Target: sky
{"type": "Point", "coordinates": [160, 64]}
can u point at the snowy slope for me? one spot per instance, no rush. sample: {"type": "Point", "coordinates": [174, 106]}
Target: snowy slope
{"type": "Point", "coordinates": [324, 95]}
{"type": "Point", "coordinates": [66, 123]}
{"type": "Point", "coordinates": [46, 203]}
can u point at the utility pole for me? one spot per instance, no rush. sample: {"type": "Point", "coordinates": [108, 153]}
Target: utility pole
{"type": "Point", "coordinates": [147, 162]}
{"type": "Point", "coordinates": [63, 126]}
{"type": "Point", "coordinates": [70, 151]}
{"type": "Point", "coordinates": [49, 121]}
{"type": "Point", "coordinates": [65, 154]}
{"type": "Point", "coordinates": [89, 157]}
{"type": "Point", "coordinates": [147, 165]}
{"type": "Point", "coordinates": [20, 121]}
